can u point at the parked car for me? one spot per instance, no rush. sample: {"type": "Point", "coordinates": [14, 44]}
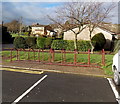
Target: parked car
{"type": "Point", "coordinates": [116, 68]}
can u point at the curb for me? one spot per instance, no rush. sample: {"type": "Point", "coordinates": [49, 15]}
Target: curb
{"type": "Point", "coordinates": [22, 70]}
{"type": "Point", "coordinates": [56, 71]}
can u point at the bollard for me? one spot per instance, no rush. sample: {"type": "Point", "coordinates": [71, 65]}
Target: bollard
{"type": "Point", "coordinates": [52, 55]}
{"type": "Point", "coordinates": [28, 53]}
{"type": "Point", "coordinates": [39, 55]}
{"type": "Point", "coordinates": [34, 54]}
{"type": "Point", "coordinates": [75, 56]}
{"type": "Point", "coordinates": [17, 54]}
{"type": "Point", "coordinates": [50, 52]}
{"type": "Point", "coordinates": [88, 56]}
{"type": "Point", "coordinates": [42, 55]}
{"type": "Point", "coordinates": [24, 53]}
{"type": "Point", "coordinates": [63, 55]}
{"type": "Point", "coordinates": [11, 55]}
{"type": "Point", "coordinates": [103, 57]}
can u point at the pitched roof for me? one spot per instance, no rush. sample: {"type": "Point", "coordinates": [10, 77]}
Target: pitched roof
{"type": "Point", "coordinates": [114, 28]}
{"type": "Point", "coordinates": [38, 25]}
{"type": "Point", "coordinates": [103, 28]}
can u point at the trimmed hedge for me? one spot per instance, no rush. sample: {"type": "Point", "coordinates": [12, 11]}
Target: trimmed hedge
{"type": "Point", "coordinates": [99, 40]}
{"type": "Point", "coordinates": [19, 42]}
{"type": "Point", "coordinates": [41, 42]}
{"type": "Point", "coordinates": [69, 45]}
{"type": "Point", "coordinates": [48, 42]}
{"type": "Point", "coordinates": [59, 44]}
{"type": "Point", "coordinates": [83, 45]}
{"type": "Point", "coordinates": [31, 42]}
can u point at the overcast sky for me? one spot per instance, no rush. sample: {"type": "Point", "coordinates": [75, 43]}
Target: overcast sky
{"type": "Point", "coordinates": [35, 12]}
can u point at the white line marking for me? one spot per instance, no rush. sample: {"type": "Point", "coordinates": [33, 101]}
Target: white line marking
{"type": "Point", "coordinates": [114, 89]}
{"type": "Point", "coordinates": [26, 92]}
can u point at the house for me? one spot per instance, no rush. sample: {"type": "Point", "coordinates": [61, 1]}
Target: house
{"type": "Point", "coordinates": [57, 30]}
{"type": "Point", "coordinates": [42, 30]}
{"type": "Point", "coordinates": [117, 35]}
{"type": "Point", "coordinates": [84, 35]}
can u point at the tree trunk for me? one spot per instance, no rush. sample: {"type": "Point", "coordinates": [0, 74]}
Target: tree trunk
{"type": "Point", "coordinates": [92, 47]}
{"type": "Point", "coordinates": [75, 42]}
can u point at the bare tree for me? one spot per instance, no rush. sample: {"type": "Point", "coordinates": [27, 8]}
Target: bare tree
{"type": "Point", "coordinates": [72, 15]}
{"type": "Point", "coordinates": [13, 26]}
{"type": "Point", "coordinates": [80, 15]}
{"type": "Point", "coordinates": [98, 13]}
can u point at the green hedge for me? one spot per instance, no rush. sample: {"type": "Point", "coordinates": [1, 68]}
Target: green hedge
{"type": "Point", "coordinates": [31, 42]}
{"type": "Point", "coordinates": [48, 42]}
{"type": "Point", "coordinates": [59, 44]}
{"type": "Point", "coordinates": [19, 42]}
{"type": "Point", "coordinates": [41, 42]}
{"type": "Point", "coordinates": [83, 45]}
{"type": "Point", "coordinates": [69, 45]}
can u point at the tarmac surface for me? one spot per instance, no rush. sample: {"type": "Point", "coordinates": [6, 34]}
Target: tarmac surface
{"type": "Point", "coordinates": [55, 87]}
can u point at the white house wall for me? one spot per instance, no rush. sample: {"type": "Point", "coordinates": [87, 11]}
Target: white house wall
{"type": "Point", "coordinates": [84, 35]}
{"type": "Point", "coordinates": [40, 30]}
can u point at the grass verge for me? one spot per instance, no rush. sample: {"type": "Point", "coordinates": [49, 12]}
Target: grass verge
{"type": "Point", "coordinates": [81, 58]}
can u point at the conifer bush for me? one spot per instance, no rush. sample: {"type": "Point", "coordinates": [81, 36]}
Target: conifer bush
{"type": "Point", "coordinates": [99, 40]}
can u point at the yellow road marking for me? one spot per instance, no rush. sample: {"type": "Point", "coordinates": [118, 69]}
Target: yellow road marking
{"type": "Point", "coordinates": [22, 70]}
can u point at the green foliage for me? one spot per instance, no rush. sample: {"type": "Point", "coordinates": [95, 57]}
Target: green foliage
{"type": "Point", "coordinates": [41, 42]}
{"type": "Point", "coordinates": [116, 46]}
{"type": "Point", "coordinates": [19, 42]}
{"type": "Point", "coordinates": [48, 42]}
{"type": "Point", "coordinates": [83, 45]}
{"type": "Point", "coordinates": [69, 45]}
{"type": "Point", "coordinates": [99, 41]}
{"type": "Point", "coordinates": [26, 33]}
{"type": "Point", "coordinates": [31, 42]}
{"type": "Point", "coordinates": [59, 44]}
